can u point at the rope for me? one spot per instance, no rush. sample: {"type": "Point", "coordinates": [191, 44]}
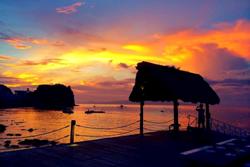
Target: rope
{"type": "Point", "coordinates": [154, 122]}
{"type": "Point", "coordinates": [107, 135]}
{"type": "Point", "coordinates": [61, 138]}
{"type": "Point", "coordinates": [118, 127]}
{"type": "Point", "coordinates": [149, 129]}
{"type": "Point", "coordinates": [31, 136]}
{"type": "Point", "coordinates": [226, 124]}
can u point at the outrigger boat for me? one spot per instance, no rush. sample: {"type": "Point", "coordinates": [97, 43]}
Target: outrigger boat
{"type": "Point", "coordinates": [94, 111]}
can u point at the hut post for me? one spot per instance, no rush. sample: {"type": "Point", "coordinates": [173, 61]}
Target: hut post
{"type": "Point", "coordinates": [72, 131]}
{"type": "Point", "coordinates": [208, 116]}
{"type": "Point", "coordinates": [176, 122]}
{"type": "Point", "coordinates": [141, 117]}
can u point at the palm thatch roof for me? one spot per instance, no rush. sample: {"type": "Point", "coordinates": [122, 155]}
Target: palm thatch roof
{"type": "Point", "coordinates": [164, 83]}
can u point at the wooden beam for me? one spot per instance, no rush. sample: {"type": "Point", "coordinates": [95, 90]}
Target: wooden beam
{"type": "Point", "coordinates": [141, 117]}
{"type": "Point", "coordinates": [208, 116]}
{"type": "Point", "coordinates": [176, 122]}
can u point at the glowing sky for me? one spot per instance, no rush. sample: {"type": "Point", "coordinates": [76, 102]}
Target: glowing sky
{"type": "Point", "coordinates": [94, 45]}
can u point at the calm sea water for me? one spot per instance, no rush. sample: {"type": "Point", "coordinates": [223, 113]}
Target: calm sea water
{"type": "Point", "coordinates": [19, 120]}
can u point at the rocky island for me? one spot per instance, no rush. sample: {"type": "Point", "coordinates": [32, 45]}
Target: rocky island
{"type": "Point", "coordinates": [56, 96]}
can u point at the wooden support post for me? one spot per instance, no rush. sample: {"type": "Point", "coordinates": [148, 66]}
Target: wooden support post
{"type": "Point", "coordinates": [208, 116]}
{"type": "Point", "coordinates": [141, 117]}
{"type": "Point", "coordinates": [176, 122]}
{"type": "Point", "coordinates": [72, 131]}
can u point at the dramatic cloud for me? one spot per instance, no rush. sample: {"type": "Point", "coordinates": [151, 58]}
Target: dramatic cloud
{"type": "Point", "coordinates": [214, 62]}
{"type": "Point", "coordinates": [69, 9]}
{"type": "Point", "coordinates": [13, 82]}
{"type": "Point", "coordinates": [41, 62]}
{"type": "Point", "coordinates": [18, 43]}
{"type": "Point", "coordinates": [215, 53]}
{"type": "Point", "coordinates": [233, 37]}
{"type": "Point", "coordinates": [22, 42]}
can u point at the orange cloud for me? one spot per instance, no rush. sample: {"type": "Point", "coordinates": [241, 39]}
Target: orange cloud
{"type": "Point", "coordinates": [18, 43]}
{"type": "Point", "coordinates": [4, 57]}
{"type": "Point", "coordinates": [69, 9]}
{"type": "Point", "coordinates": [234, 37]}
{"type": "Point", "coordinates": [212, 52]}
{"type": "Point", "coordinates": [28, 42]}
{"type": "Point", "coordinates": [40, 62]}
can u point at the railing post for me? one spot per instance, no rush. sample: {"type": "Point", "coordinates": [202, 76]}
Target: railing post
{"type": "Point", "coordinates": [176, 123]}
{"type": "Point", "coordinates": [72, 131]}
{"type": "Point", "coordinates": [141, 117]}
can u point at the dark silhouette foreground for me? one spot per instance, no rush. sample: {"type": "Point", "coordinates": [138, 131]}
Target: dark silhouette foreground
{"type": "Point", "coordinates": [154, 149]}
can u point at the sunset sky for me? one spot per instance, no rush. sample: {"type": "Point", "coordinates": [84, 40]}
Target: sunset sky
{"type": "Point", "coordinates": [94, 45]}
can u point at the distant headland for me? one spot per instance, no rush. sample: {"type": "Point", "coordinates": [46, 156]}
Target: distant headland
{"type": "Point", "coordinates": [56, 96]}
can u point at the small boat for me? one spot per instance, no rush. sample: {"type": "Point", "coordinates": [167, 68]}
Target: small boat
{"type": "Point", "coordinates": [67, 110]}
{"type": "Point", "coordinates": [121, 106]}
{"type": "Point", "coordinates": [94, 111]}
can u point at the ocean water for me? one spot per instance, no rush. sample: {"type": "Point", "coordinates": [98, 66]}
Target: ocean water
{"type": "Point", "coordinates": [19, 120]}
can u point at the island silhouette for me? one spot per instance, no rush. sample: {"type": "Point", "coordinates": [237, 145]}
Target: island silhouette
{"type": "Point", "coordinates": [56, 96]}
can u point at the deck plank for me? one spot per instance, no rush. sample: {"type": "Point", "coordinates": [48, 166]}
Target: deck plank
{"type": "Point", "coordinates": [154, 149]}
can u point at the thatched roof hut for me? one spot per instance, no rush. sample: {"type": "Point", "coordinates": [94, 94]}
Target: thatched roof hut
{"type": "Point", "coordinates": [164, 83]}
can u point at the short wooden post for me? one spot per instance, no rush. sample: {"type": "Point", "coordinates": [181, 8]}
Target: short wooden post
{"type": "Point", "coordinates": [141, 117]}
{"type": "Point", "coordinates": [176, 122]}
{"type": "Point", "coordinates": [72, 131]}
{"type": "Point", "coordinates": [208, 117]}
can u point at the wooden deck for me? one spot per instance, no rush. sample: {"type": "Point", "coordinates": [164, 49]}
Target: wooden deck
{"type": "Point", "coordinates": [153, 150]}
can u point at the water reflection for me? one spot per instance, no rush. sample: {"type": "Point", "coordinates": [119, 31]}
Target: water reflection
{"type": "Point", "coordinates": [21, 120]}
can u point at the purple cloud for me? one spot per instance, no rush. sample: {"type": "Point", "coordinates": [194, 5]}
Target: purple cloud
{"type": "Point", "coordinates": [69, 9]}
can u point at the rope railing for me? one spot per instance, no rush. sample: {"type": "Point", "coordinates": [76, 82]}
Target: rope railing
{"type": "Point", "coordinates": [118, 134]}
{"type": "Point", "coordinates": [226, 128]}
{"type": "Point", "coordinates": [61, 138]}
{"type": "Point", "coordinates": [223, 127]}
{"type": "Point", "coordinates": [155, 122]}
{"type": "Point", "coordinates": [150, 129]}
{"type": "Point", "coordinates": [31, 136]}
{"type": "Point", "coordinates": [156, 125]}
{"type": "Point", "coordinates": [107, 128]}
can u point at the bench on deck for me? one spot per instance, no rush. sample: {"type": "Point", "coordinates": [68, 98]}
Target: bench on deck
{"type": "Point", "coordinates": [172, 126]}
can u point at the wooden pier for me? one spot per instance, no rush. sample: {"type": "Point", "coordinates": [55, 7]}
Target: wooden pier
{"type": "Point", "coordinates": [154, 149]}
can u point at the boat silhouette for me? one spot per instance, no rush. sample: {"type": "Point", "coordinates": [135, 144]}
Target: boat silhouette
{"type": "Point", "coordinates": [94, 111]}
